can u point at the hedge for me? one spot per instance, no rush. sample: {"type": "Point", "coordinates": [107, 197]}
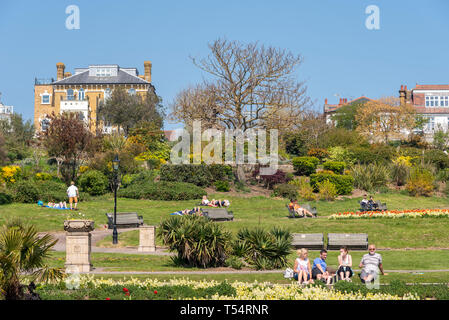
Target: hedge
{"type": "Point", "coordinates": [5, 198]}
{"type": "Point", "coordinates": [93, 182]}
{"type": "Point", "coordinates": [305, 166]}
{"type": "Point", "coordinates": [198, 174]}
{"type": "Point", "coordinates": [335, 166]}
{"type": "Point", "coordinates": [163, 190]}
{"type": "Point", "coordinates": [343, 183]}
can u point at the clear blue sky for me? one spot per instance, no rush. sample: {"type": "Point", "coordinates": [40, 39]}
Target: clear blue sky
{"type": "Point", "coordinates": [341, 56]}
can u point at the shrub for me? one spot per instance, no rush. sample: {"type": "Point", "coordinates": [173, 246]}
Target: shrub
{"type": "Point", "coordinates": [343, 183]}
{"type": "Point", "coordinates": [234, 262]}
{"type": "Point", "coordinates": [370, 177]}
{"type": "Point", "coordinates": [420, 183]}
{"type": "Point", "coordinates": [52, 191]}
{"type": "Point", "coordinates": [437, 157]}
{"type": "Point", "coordinates": [5, 198]}
{"type": "Point", "coordinates": [327, 190]}
{"type": "Point", "coordinates": [443, 175]}
{"type": "Point", "coordinates": [304, 189]}
{"type": "Point", "coordinates": [162, 190]}
{"type": "Point", "coordinates": [341, 154]}
{"type": "Point", "coordinates": [222, 186]}
{"type": "Point", "coordinates": [335, 166]}
{"type": "Point", "coordinates": [280, 177]}
{"type": "Point", "coordinates": [265, 249]}
{"type": "Point", "coordinates": [199, 175]}
{"type": "Point", "coordinates": [10, 174]}
{"type": "Point", "coordinates": [285, 191]}
{"type": "Point", "coordinates": [318, 153]}
{"type": "Point", "coordinates": [42, 176]}
{"type": "Point", "coordinates": [197, 241]}
{"type": "Point", "coordinates": [93, 182]}
{"type": "Point", "coordinates": [400, 170]}
{"type": "Point", "coordinates": [305, 166]}
{"type": "Point", "coordinates": [26, 192]}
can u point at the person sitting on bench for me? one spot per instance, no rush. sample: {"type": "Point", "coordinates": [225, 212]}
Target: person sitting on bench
{"type": "Point", "coordinates": [301, 212]}
{"type": "Point", "coordinates": [364, 203]}
{"type": "Point", "coordinates": [371, 204]}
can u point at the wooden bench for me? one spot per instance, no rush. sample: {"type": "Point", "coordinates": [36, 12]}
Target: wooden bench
{"type": "Point", "coordinates": [380, 206]}
{"type": "Point", "coordinates": [125, 220]}
{"type": "Point", "coordinates": [305, 206]}
{"type": "Point", "coordinates": [311, 241]}
{"type": "Point", "coordinates": [354, 241]}
{"type": "Point", "coordinates": [218, 214]}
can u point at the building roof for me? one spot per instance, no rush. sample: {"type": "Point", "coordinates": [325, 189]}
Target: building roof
{"type": "Point", "coordinates": [432, 87]}
{"type": "Point", "coordinates": [333, 107]}
{"type": "Point", "coordinates": [84, 78]}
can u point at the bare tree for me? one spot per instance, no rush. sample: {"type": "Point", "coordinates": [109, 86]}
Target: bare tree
{"type": "Point", "coordinates": [250, 86]}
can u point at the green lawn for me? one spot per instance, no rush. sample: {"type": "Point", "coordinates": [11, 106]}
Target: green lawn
{"type": "Point", "coordinates": [265, 212]}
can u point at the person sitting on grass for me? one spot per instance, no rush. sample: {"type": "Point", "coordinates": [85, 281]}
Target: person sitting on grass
{"type": "Point", "coordinates": [196, 210]}
{"type": "Point", "coordinates": [371, 263]}
{"type": "Point", "coordinates": [219, 203]}
{"type": "Point", "coordinates": [301, 212]}
{"type": "Point", "coordinates": [302, 268]}
{"type": "Point", "coordinates": [319, 271]}
{"type": "Point", "coordinates": [344, 264]}
{"type": "Point", "coordinates": [205, 201]}
{"type": "Point", "coordinates": [60, 205]}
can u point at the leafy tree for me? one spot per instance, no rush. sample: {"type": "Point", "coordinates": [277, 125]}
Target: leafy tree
{"type": "Point", "coordinates": [441, 139]}
{"type": "Point", "coordinates": [68, 140]}
{"type": "Point", "coordinates": [18, 136]}
{"type": "Point", "coordinates": [126, 111]}
{"type": "Point", "coordinates": [345, 116]}
{"type": "Point", "coordinates": [3, 157]}
{"type": "Point", "coordinates": [22, 251]}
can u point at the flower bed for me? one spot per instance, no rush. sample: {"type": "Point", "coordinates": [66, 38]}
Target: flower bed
{"type": "Point", "coordinates": [136, 289]}
{"type": "Point", "coordinates": [393, 214]}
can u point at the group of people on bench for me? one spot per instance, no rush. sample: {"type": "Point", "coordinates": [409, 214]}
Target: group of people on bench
{"type": "Point", "coordinates": [301, 212]}
{"type": "Point", "coordinates": [305, 272]}
{"type": "Point", "coordinates": [369, 204]}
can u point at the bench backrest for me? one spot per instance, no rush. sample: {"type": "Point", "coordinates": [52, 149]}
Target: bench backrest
{"type": "Point", "coordinates": [218, 214]}
{"type": "Point", "coordinates": [354, 241]}
{"type": "Point", "coordinates": [311, 241]}
{"type": "Point", "coordinates": [125, 217]}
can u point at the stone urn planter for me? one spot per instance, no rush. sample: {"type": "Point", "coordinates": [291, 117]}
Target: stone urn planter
{"type": "Point", "coordinates": [79, 225]}
{"type": "Point", "coordinates": [78, 245]}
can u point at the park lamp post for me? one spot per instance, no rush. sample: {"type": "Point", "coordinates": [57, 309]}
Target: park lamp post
{"type": "Point", "coordinates": [115, 166]}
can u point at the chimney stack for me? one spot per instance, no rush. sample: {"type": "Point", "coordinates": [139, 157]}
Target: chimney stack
{"type": "Point", "coordinates": [60, 67]}
{"type": "Point", "coordinates": [147, 68]}
{"type": "Point", "coordinates": [341, 101]}
{"type": "Point", "coordinates": [67, 74]}
{"type": "Point", "coordinates": [325, 101]}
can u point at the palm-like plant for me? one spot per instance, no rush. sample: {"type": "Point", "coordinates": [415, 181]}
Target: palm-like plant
{"type": "Point", "coordinates": [23, 253]}
{"type": "Point", "coordinates": [198, 242]}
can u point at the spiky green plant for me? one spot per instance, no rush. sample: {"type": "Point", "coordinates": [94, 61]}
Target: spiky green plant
{"type": "Point", "coordinates": [23, 253]}
{"type": "Point", "coordinates": [198, 241]}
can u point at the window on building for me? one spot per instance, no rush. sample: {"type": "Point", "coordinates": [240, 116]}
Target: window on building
{"type": "Point", "coordinates": [107, 93]}
{"type": "Point", "coordinates": [430, 125]}
{"type": "Point", "coordinates": [81, 94]}
{"type": "Point", "coordinates": [132, 91]}
{"type": "Point", "coordinates": [44, 124]}
{"type": "Point", "coordinates": [70, 95]}
{"type": "Point", "coordinates": [45, 99]}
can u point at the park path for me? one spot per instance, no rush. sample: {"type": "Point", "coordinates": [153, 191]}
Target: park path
{"type": "Point", "coordinates": [100, 234]}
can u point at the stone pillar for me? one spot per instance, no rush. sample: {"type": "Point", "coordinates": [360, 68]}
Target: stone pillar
{"type": "Point", "coordinates": [78, 249]}
{"type": "Point", "coordinates": [78, 246]}
{"type": "Point", "coordinates": [147, 239]}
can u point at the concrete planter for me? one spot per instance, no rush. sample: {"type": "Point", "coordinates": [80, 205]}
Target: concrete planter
{"type": "Point", "coordinates": [79, 225]}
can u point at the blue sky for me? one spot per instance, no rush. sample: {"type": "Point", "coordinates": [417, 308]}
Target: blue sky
{"type": "Point", "coordinates": [341, 56]}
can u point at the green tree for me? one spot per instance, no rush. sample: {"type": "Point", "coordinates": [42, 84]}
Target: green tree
{"type": "Point", "coordinates": [22, 251]}
{"type": "Point", "coordinates": [345, 116]}
{"type": "Point", "coordinates": [18, 135]}
{"type": "Point", "coordinates": [126, 111]}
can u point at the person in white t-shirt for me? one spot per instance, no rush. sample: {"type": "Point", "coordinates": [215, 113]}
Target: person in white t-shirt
{"type": "Point", "coordinates": [72, 193]}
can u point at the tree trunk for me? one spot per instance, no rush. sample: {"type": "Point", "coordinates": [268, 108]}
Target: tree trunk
{"type": "Point", "coordinates": [241, 173]}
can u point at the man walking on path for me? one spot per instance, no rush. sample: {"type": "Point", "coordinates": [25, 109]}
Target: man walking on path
{"type": "Point", "coordinates": [73, 194]}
